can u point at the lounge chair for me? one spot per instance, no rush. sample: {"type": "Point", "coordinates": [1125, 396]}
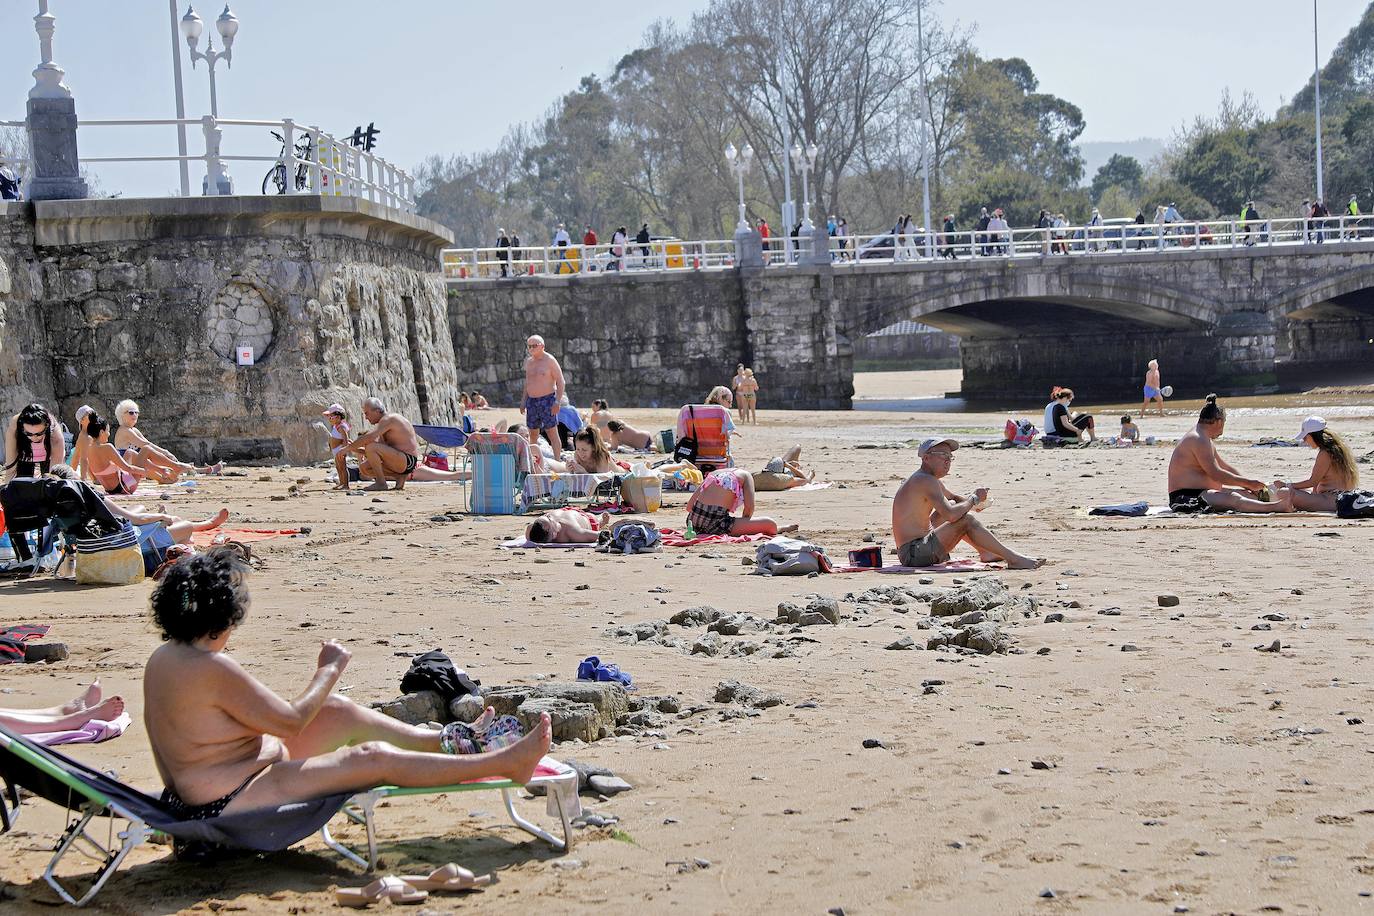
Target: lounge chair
{"type": "Point", "coordinates": [448, 438]}
{"type": "Point", "coordinates": [707, 423]}
{"type": "Point", "coordinates": [499, 463]}
{"type": "Point", "coordinates": [88, 794]}
{"type": "Point", "coordinates": [554, 491]}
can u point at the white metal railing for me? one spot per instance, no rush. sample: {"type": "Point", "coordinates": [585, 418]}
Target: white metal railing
{"type": "Point", "coordinates": [310, 161]}
{"type": "Point", "coordinates": [856, 251]}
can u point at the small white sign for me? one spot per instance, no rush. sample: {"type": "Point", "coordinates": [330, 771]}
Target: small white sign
{"type": "Point", "coordinates": [245, 355]}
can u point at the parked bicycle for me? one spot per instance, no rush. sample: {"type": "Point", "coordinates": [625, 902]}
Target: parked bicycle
{"type": "Point", "coordinates": [276, 176]}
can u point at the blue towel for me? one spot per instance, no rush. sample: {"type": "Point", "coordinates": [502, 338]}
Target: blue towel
{"type": "Point", "coordinates": [493, 484]}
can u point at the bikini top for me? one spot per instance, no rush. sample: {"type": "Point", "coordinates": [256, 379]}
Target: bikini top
{"type": "Point", "coordinates": [728, 479]}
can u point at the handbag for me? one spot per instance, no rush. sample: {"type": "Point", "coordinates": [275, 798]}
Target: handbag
{"type": "Point", "coordinates": [686, 449]}
{"type": "Point", "coordinates": [111, 559]}
{"type": "Point", "coordinates": [1355, 504]}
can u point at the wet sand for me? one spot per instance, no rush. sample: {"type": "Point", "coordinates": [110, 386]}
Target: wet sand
{"type": "Point", "coordinates": [1195, 772]}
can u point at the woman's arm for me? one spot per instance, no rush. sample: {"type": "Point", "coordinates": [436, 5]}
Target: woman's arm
{"type": "Point", "coordinates": [1320, 468]}
{"type": "Point", "coordinates": [254, 705]}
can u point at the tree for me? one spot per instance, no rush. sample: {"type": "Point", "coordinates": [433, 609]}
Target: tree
{"type": "Point", "coordinates": [1119, 171]}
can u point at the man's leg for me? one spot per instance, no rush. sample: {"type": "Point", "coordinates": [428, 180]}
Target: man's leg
{"type": "Point", "coordinates": [1233, 500]}
{"type": "Point", "coordinates": [374, 763]}
{"type": "Point", "coordinates": [387, 463]}
{"type": "Point", "coordinates": [551, 433]}
{"type": "Point", "coordinates": [981, 539]}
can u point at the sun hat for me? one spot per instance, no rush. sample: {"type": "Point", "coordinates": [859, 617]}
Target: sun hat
{"type": "Point", "coordinates": [933, 443]}
{"type": "Point", "coordinates": [83, 410]}
{"type": "Point", "coordinates": [1311, 425]}
{"type": "Point", "coordinates": [334, 409]}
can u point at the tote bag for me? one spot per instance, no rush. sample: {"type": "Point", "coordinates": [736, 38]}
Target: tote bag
{"type": "Point", "coordinates": [113, 559]}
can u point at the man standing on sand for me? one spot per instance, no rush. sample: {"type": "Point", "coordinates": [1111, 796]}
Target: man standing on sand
{"type": "Point", "coordinates": [1152, 388]}
{"type": "Point", "coordinates": [928, 520]}
{"type": "Point", "coordinates": [544, 389]}
{"type": "Point", "coordinates": [1200, 481]}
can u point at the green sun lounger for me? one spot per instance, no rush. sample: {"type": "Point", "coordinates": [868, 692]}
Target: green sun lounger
{"type": "Point", "coordinates": [87, 794]}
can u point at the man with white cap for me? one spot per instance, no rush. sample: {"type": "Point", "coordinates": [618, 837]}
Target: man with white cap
{"type": "Point", "coordinates": [928, 520]}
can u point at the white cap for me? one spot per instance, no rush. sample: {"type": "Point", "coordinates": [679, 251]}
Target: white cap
{"type": "Point", "coordinates": [932, 443]}
{"type": "Point", "coordinates": [83, 410]}
{"type": "Point", "coordinates": [1311, 425]}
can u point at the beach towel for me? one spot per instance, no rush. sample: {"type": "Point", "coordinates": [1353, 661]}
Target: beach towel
{"type": "Point", "coordinates": [93, 731]}
{"type": "Point", "coordinates": [949, 566]}
{"type": "Point", "coordinates": [674, 538]}
{"type": "Point", "coordinates": [206, 539]}
{"type": "Point", "coordinates": [524, 543]}
{"type": "Point", "coordinates": [12, 640]}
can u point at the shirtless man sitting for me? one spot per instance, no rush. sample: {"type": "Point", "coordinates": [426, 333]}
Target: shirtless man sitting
{"type": "Point", "coordinates": [928, 520]}
{"type": "Point", "coordinates": [574, 526]}
{"type": "Point", "coordinates": [224, 743]}
{"type": "Point", "coordinates": [1200, 481]}
{"type": "Point", "coordinates": [621, 433]}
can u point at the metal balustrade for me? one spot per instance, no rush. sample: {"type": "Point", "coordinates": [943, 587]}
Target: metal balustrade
{"type": "Point", "coordinates": [333, 167]}
{"type": "Point", "coordinates": [1113, 239]}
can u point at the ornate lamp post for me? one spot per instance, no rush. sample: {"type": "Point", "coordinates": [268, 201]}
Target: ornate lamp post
{"type": "Point", "coordinates": [740, 161]}
{"type": "Point", "coordinates": [806, 161]}
{"type": "Point", "coordinates": [217, 180]}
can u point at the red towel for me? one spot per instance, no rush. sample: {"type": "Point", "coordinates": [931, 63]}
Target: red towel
{"type": "Point", "coordinates": [673, 538]}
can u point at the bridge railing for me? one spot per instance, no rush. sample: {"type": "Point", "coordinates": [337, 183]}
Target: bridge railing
{"type": "Point", "coordinates": [310, 160]}
{"type": "Point", "coordinates": [857, 251]}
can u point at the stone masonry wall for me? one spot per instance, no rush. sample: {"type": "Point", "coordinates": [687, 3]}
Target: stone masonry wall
{"type": "Point", "coordinates": [25, 366]}
{"type": "Point", "coordinates": [338, 306]}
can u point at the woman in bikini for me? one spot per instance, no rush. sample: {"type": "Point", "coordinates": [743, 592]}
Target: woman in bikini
{"type": "Point", "coordinates": [104, 462]}
{"type": "Point", "coordinates": [590, 455]}
{"type": "Point", "coordinates": [139, 450]}
{"type": "Point", "coordinates": [748, 392]}
{"type": "Point", "coordinates": [1333, 473]}
{"type": "Point", "coordinates": [710, 509]}
{"type": "Point", "coordinates": [33, 443]}
{"type": "Point", "coordinates": [600, 415]}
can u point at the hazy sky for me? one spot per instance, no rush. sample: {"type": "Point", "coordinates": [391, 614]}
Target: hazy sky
{"type": "Point", "coordinates": [452, 76]}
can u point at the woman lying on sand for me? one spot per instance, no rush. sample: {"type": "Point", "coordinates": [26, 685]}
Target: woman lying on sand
{"type": "Point", "coordinates": [223, 742]}
{"type": "Point", "coordinates": [722, 492]}
{"type": "Point", "coordinates": [783, 472]}
{"type": "Point", "coordinates": [72, 714]}
{"type": "Point", "coordinates": [1333, 473]}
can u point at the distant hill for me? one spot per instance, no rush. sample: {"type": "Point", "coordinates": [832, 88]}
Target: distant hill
{"type": "Point", "coordinates": [1095, 155]}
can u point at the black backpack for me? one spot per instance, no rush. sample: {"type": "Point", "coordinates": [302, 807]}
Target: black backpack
{"type": "Point", "coordinates": [1355, 504]}
{"type": "Point", "coordinates": [686, 447]}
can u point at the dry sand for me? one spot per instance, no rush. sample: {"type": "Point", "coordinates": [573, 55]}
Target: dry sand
{"type": "Point", "coordinates": [1175, 783]}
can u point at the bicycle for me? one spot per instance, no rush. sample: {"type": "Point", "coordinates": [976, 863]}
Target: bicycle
{"type": "Point", "coordinates": [276, 176]}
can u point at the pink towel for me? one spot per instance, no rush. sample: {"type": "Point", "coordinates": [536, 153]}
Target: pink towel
{"type": "Point", "coordinates": [674, 538]}
{"type": "Point", "coordinates": [93, 732]}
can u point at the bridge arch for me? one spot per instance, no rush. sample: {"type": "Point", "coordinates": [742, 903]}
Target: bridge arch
{"type": "Point", "coordinates": [1328, 289]}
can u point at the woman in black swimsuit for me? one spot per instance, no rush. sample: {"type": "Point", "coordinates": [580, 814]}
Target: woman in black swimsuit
{"type": "Point", "coordinates": [1067, 425]}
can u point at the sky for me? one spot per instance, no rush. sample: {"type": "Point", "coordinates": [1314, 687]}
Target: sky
{"type": "Point", "coordinates": [451, 76]}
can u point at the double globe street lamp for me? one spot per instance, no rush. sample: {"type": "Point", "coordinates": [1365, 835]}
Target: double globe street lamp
{"type": "Point", "coordinates": [217, 180]}
{"type": "Point", "coordinates": [739, 163]}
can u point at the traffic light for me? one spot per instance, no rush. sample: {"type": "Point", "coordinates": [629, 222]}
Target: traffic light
{"type": "Point", "coordinates": [370, 136]}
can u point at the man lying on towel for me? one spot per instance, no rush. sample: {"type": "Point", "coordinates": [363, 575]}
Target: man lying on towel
{"type": "Point", "coordinates": [224, 742]}
{"type": "Point", "coordinates": [1200, 481]}
{"type": "Point", "coordinates": [577, 526]}
{"type": "Point", "coordinates": [928, 520]}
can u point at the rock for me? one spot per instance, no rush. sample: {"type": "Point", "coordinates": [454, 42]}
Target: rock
{"type": "Point", "coordinates": [709, 644]}
{"type": "Point", "coordinates": [610, 785]}
{"type": "Point", "coordinates": [1043, 650]}
{"type": "Point", "coordinates": [1003, 771]}
{"type": "Point", "coordinates": [585, 772]}
{"type": "Point", "coordinates": [812, 619]}
{"type": "Point", "coordinates": [1168, 600]}
{"type": "Point", "coordinates": [1054, 618]}
{"type": "Point", "coordinates": [695, 616]}
{"type": "Point", "coordinates": [1048, 893]}
{"type": "Point", "coordinates": [735, 624]}
{"type": "Point", "coordinates": [1110, 612]}
{"type": "Point", "coordinates": [969, 619]}
{"type": "Point", "coordinates": [828, 608]}
{"type": "Point", "coordinates": [1277, 618]}
{"type": "Point", "coordinates": [746, 695]}
{"type": "Point", "coordinates": [1275, 646]}
{"type": "Point", "coordinates": [1041, 765]}
{"type": "Point", "coordinates": [46, 652]}
{"type": "Point", "coordinates": [1129, 647]}
{"type": "Point", "coordinates": [1263, 626]}
{"type": "Point", "coordinates": [568, 864]}
{"type": "Point", "coordinates": [906, 642]}
{"type": "Point", "coordinates": [668, 704]}
{"type": "Point", "coordinates": [467, 709]}
{"type": "Point", "coordinates": [986, 638]}
{"type": "Point", "coordinates": [871, 743]}
{"type": "Point", "coordinates": [582, 710]}
{"type": "Point", "coordinates": [981, 594]}
{"type": "Point", "coordinates": [571, 721]}
{"type": "Point", "coordinates": [415, 708]}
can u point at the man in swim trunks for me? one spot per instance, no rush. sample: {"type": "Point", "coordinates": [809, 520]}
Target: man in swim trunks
{"type": "Point", "coordinates": [390, 449]}
{"type": "Point", "coordinates": [1152, 388]}
{"type": "Point", "coordinates": [576, 526]}
{"type": "Point", "coordinates": [544, 390]}
{"type": "Point", "coordinates": [928, 520]}
{"type": "Point", "coordinates": [224, 743]}
{"type": "Point", "coordinates": [1200, 481]}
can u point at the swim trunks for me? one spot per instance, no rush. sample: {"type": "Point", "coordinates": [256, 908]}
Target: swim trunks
{"type": "Point", "coordinates": [926, 551]}
{"type": "Point", "coordinates": [206, 811]}
{"type": "Point", "coordinates": [708, 520]}
{"type": "Point", "coordinates": [542, 413]}
{"type": "Point", "coordinates": [1151, 392]}
{"type": "Point", "coordinates": [411, 462]}
{"type": "Point", "coordinates": [1190, 502]}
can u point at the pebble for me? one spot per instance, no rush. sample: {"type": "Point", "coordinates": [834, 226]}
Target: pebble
{"type": "Point", "coordinates": [1048, 893]}
{"type": "Point", "coordinates": [1226, 645]}
{"type": "Point", "coordinates": [1043, 650]}
{"type": "Point", "coordinates": [1129, 647]}
{"type": "Point", "coordinates": [568, 864]}
{"type": "Point", "coordinates": [835, 911]}
{"type": "Point", "coordinates": [582, 588]}
{"type": "Point", "coordinates": [932, 682]}
{"type": "Point", "coordinates": [1274, 646]}
{"type": "Point", "coordinates": [906, 642]}
{"type": "Point", "coordinates": [1262, 626]}
{"type": "Point", "coordinates": [1180, 908]}
{"type": "Point", "coordinates": [663, 746]}
{"type": "Point", "coordinates": [1274, 617]}
{"type": "Point", "coordinates": [1041, 765]}
{"type": "Point", "coordinates": [1003, 771]}
{"type": "Point", "coordinates": [1054, 618]}
{"type": "Point", "coordinates": [1354, 720]}
{"type": "Point", "coordinates": [871, 743]}
{"type": "Point", "coordinates": [1110, 612]}
{"type": "Point", "coordinates": [956, 844]}
{"type": "Point", "coordinates": [1168, 600]}
{"type": "Point", "coordinates": [670, 820]}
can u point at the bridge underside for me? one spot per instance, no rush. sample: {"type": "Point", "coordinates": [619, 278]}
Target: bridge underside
{"type": "Point", "coordinates": [1331, 341]}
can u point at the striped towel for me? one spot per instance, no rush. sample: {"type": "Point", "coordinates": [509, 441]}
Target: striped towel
{"type": "Point", "coordinates": [494, 484]}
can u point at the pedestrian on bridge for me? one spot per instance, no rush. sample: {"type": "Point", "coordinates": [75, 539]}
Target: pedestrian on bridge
{"type": "Point", "coordinates": [561, 241]}
{"type": "Point", "coordinates": [948, 239]}
{"type": "Point", "coordinates": [503, 252]}
{"type": "Point", "coordinates": [980, 235]}
{"type": "Point", "coordinates": [643, 239]}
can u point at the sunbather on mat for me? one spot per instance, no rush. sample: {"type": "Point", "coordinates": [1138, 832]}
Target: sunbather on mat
{"type": "Point", "coordinates": [89, 704]}
{"type": "Point", "coordinates": [576, 526]}
{"type": "Point", "coordinates": [623, 434]}
{"type": "Point", "coordinates": [928, 520]}
{"type": "Point", "coordinates": [709, 510]}
{"type": "Point", "coordinates": [223, 742]}
{"type": "Point", "coordinates": [1200, 481]}
{"type": "Point", "coordinates": [1333, 473]}
{"type": "Point", "coordinates": [783, 472]}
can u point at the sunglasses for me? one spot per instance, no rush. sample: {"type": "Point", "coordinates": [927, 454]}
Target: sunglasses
{"type": "Point", "coordinates": [36, 436]}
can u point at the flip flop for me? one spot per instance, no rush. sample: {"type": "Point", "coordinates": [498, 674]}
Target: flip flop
{"type": "Point", "coordinates": [503, 732]}
{"type": "Point", "coordinates": [448, 877]}
{"type": "Point", "coordinates": [388, 887]}
{"type": "Point", "coordinates": [586, 671]}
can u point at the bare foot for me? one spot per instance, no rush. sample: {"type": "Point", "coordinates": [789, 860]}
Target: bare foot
{"type": "Point", "coordinates": [342, 486]}
{"type": "Point", "coordinates": [788, 529]}
{"type": "Point", "coordinates": [1020, 562]}
{"type": "Point", "coordinates": [106, 711]}
{"type": "Point", "coordinates": [517, 762]}
{"type": "Point", "coordinates": [88, 698]}
{"type": "Point", "coordinates": [220, 518]}
{"type": "Point", "coordinates": [376, 487]}
{"type": "Point", "coordinates": [989, 557]}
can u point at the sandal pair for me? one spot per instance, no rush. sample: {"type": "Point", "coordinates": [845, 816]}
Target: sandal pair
{"type": "Point", "coordinates": [412, 889]}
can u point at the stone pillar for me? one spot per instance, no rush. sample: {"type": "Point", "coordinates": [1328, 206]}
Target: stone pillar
{"type": "Point", "coordinates": [748, 248]}
{"type": "Point", "coordinates": [1246, 351]}
{"type": "Point", "coordinates": [52, 144]}
{"type": "Point", "coordinates": [792, 326]}
{"type": "Point", "coordinates": [815, 251]}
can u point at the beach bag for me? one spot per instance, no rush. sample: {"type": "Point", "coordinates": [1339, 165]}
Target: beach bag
{"type": "Point", "coordinates": [665, 441]}
{"type": "Point", "coordinates": [436, 460]}
{"type": "Point", "coordinates": [643, 491]}
{"type": "Point", "coordinates": [1355, 504]}
{"type": "Point", "coordinates": [867, 557]}
{"type": "Point", "coordinates": [111, 559]}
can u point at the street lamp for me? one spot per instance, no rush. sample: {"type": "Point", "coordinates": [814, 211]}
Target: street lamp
{"type": "Point", "coordinates": [739, 163]}
{"type": "Point", "coordinates": [228, 26]}
{"type": "Point", "coordinates": [806, 161]}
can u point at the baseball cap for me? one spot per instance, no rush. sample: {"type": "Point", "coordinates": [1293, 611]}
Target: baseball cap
{"type": "Point", "coordinates": [1311, 425]}
{"type": "Point", "coordinates": [933, 443]}
{"type": "Point", "coordinates": [335, 409]}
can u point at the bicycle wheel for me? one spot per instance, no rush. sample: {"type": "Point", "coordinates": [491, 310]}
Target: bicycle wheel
{"type": "Point", "coordinates": [275, 178]}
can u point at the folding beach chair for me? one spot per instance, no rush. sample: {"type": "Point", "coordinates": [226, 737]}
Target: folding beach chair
{"type": "Point", "coordinates": [87, 794]}
{"type": "Point", "coordinates": [554, 491]}
{"type": "Point", "coordinates": [706, 424]}
{"type": "Point", "coordinates": [499, 463]}
{"type": "Point", "coordinates": [448, 438]}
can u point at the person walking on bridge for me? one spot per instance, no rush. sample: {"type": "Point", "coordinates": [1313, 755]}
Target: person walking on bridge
{"type": "Point", "coordinates": [561, 241]}
{"type": "Point", "coordinates": [643, 239]}
{"type": "Point", "coordinates": [503, 252]}
{"type": "Point", "coordinates": [980, 235]}
{"type": "Point", "coordinates": [1352, 210]}
{"type": "Point", "coordinates": [948, 239]}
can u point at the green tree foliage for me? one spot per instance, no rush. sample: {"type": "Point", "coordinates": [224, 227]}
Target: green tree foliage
{"type": "Point", "coordinates": [1119, 171]}
{"type": "Point", "coordinates": [1226, 168]}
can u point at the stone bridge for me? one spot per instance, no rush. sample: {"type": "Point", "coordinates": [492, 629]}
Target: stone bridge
{"type": "Point", "coordinates": [1216, 318]}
